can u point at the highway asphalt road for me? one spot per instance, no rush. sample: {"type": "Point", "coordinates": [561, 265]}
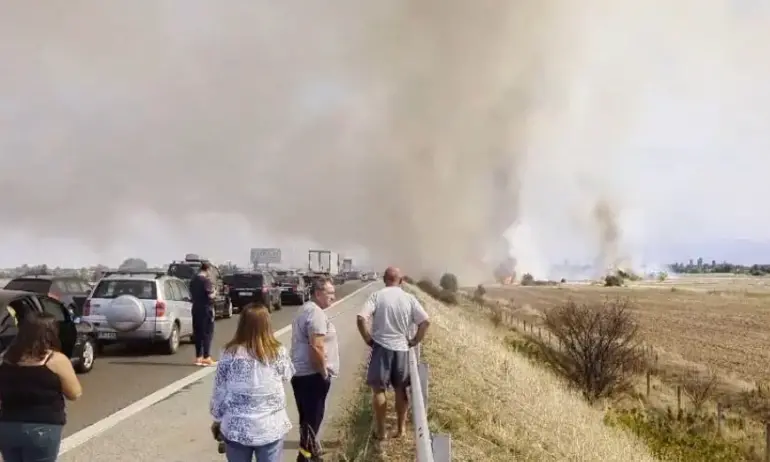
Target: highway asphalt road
{"type": "Point", "coordinates": [121, 376]}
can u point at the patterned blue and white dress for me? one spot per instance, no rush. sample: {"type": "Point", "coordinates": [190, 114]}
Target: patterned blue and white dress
{"type": "Point", "coordinates": [249, 399]}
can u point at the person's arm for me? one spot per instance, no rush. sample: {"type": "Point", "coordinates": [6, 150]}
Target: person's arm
{"type": "Point", "coordinates": [419, 317]}
{"type": "Point", "coordinates": [317, 330]}
{"type": "Point", "coordinates": [70, 385]}
{"type": "Point", "coordinates": [219, 396]}
{"type": "Point", "coordinates": [209, 287]}
{"type": "Point", "coordinates": [362, 320]}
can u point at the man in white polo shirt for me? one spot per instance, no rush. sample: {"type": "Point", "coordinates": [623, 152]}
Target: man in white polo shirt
{"type": "Point", "coordinates": [392, 313]}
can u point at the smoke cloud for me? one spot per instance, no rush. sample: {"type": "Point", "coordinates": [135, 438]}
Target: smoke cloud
{"type": "Point", "coordinates": [420, 131]}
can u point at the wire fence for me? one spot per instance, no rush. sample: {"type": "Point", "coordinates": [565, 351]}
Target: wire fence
{"type": "Point", "coordinates": [430, 448]}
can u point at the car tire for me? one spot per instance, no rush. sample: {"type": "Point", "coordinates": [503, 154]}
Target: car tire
{"type": "Point", "coordinates": [228, 310]}
{"type": "Point", "coordinates": [171, 345]}
{"type": "Point", "coordinates": [87, 356]}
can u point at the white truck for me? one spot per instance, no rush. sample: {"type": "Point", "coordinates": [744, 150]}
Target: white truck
{"type": "Point", "coordinates": [323, 261]}
{"type": "Point", "coordinates": [347, 265]}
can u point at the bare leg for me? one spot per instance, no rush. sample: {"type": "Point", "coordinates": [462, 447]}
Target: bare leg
{"type": "Point", "coordinates": [380, 407]}
{"type": "Point", "coordinates": [402, 406]}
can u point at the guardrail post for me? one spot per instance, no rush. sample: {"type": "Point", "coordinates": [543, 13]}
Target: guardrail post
{"type": "Point", "coordinates": [419, 415]}
{"type": "Point", "coordinates": [442, 448]}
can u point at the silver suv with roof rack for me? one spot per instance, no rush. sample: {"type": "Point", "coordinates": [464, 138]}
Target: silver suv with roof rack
{"type": "Point", "coordinates": [140, 307]}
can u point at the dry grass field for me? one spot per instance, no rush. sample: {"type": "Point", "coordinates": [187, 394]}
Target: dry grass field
{"type": "Point", "coordinates": [717, 322]}
{"type": "Point", "coordinates": [700, 330]}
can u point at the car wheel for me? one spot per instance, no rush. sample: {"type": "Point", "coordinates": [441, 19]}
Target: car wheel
{"type": "Point", "coordinates": [172, 344]}
{"type": "Point", "coordinates": [87, 357]}
{"type": "Point", "coordinates": [228, 310]}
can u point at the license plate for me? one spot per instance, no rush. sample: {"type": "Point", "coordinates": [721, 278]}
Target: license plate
{"type": "Point", "coordinates": [245, 293]}
{"type": "Point", "coordinates": [285, 289]}
{"type": "Point", "coordinates": [107, 335]}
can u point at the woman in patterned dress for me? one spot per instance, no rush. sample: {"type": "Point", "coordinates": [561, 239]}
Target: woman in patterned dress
{"type": "Point", "coordinates": [249, 404]}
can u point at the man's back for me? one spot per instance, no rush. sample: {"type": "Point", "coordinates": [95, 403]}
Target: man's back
{"type": "Point", "coordinates": [393, 312]}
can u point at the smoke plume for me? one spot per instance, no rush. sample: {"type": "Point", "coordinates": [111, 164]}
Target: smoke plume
{"type": "Point", "coordinates": [417, 130]}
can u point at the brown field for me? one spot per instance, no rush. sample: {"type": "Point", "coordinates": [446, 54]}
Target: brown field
{"type": "Point", "coordinates": [722, 323]}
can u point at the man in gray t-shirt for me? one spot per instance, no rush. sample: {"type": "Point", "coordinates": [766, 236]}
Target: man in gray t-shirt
{"type": "Point", "coordinates": [392, 314]}
{"type": "Point", "coordinates": [316, 358]}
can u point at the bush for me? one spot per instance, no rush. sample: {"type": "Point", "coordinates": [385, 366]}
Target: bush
{"type": "Point", "coordinates": [662, 276]}
{"type": "Point", "coordinates": [449, 282]}
{"type": "Point", "coordinates": [408, 280]}
{"type": "Point", "coordinates": [442, 295]}
{"type": "Point", "coordinates": [598, 344]}
{"type": "Point", "coordinates": [613, 280]}
{"type": "Point", "coordinates": [527, 280]}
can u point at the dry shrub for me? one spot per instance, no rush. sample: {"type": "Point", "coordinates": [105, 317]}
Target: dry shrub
{"type": "Point", "coordinates": [700, 388]}
{"type": "Point", "coordinates": [527, 280]}
{"type": "Point", "coordinates": [613, 281]}
{"type": "Point", "coordinates": [478, 294]}
{"type": "Point", "coordinates": [442, 295]}
{"type": "Point", "coordinates": [408, 280]}
{"type": "Point", "coordinates": [449, 282]}
{"type": "Point", "coordinates": [598, 345]}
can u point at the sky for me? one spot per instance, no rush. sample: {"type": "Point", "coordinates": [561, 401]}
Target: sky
{"type": "Point", "coordinates": [403, 133]}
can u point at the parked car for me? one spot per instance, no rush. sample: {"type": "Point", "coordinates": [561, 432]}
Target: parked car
{"type": "Point", "coordinates": [294, 290]}
{"type": "Point", "coordinates": [252, 287]}
{"type": "Point", "coordinates": [187, 269]}
{"type": "Point", "coordinates": [77, 338]}
{"type": "Point", "coordinates": [70, 290]}
{"type": "Point", "coordinates": [140, 308]}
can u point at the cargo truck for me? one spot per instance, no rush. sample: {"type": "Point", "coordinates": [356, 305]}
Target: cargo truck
{"type": "Point", "coordinates": [323, 261]}
{"type": "Point", "coordinates": [347, 265]}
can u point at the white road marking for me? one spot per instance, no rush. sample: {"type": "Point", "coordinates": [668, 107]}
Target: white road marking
{"type": "Point", "coordinates": [97, 428]}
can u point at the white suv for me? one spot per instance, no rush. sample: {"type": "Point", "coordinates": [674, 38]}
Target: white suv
{"type": "Point", "coordinates": [140, 307]}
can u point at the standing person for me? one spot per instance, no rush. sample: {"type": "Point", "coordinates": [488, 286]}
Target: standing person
{"type": "Point", "coordinates": [202, 293]}
{"type": "Point", "coordinates": [249, 403]}
{"type": "Point", "coordinates": [392, 313]}
{"type": "Point", "coordinates": [35, 378]}
{"type": "Point", "coordinates": [316, 358]}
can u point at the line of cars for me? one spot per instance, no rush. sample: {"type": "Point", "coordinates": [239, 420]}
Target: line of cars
{"type": "Point", "coordinates": [136, 307]}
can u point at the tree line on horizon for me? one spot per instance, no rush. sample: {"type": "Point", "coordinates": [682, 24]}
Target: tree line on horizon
{"type": "Point", "coordinates": [700, 266]}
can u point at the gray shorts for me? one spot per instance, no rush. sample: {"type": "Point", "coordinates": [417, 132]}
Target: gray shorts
{"type": "Point", "coordinates": [387, 368]}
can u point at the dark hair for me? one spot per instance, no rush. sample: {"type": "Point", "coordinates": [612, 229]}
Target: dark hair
{"type": "Point", "coordinates": [205, 266]}
{"type": "Point", "coordinates": [255, 334]}
{"type": "Point", "coordinates": [319, 283]}
{"type": "Point", "coordinates": [38, 334]}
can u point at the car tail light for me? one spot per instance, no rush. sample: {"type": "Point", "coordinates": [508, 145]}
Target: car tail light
{"type": "Point", "coordinates": [87, 308]}
{"type": "Point", "coordinates": [160, 309]}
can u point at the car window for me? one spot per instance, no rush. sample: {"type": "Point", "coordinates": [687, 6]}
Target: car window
{"type": "Point", "coordinates": [39, 286]}
{"type": "Point", "coordinates": [184, 291]}
{"type": "Point", "coordinates": [53, 307]}
{"type": "Point", "coordinates": [183, 270]}
{"type": "Point", "coordinates": [145, 290]}
{"type": "Point", "coordinates": [171, 291]}
{"type": "Point", "coordinates": [248, 280]}
{"type": "Point", "coordinates": [289, 280]}
{"type": "Point", "coordinates": [70, 286]}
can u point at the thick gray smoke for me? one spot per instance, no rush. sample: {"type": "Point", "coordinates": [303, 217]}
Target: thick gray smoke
{"type": "Point", "coordinates": [418, 130]}
{"type": "Point", "coordinates": [394, 127]}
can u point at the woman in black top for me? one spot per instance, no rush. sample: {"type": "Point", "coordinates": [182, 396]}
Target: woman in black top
{"type": "Point", "coordinates": [34, 380]}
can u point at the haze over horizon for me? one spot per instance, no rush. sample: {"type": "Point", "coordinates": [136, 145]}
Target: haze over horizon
{"type": "Point", "coordinates": [419, 132]}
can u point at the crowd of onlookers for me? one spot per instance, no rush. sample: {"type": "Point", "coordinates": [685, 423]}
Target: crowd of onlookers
{"type": "Point", "coordinates": [248, 405]}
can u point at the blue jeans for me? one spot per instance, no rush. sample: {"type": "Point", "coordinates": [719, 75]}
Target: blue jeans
{"type": "Point", "coordinates": [29, 442]}
{"type": "Point", "coordinates": [271, 452]}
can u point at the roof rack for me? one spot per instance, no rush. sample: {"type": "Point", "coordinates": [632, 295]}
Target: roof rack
{"type": "Point", "coordinates": [157, 274]}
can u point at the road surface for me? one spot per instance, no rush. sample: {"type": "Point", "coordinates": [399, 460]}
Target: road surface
{"type": "Point", "coordinates": [177, 428]}
{"type": "Point", "coordinates": [122, 376]}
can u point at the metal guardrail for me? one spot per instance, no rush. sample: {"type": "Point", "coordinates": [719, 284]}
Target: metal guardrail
{"type": "Point", "coordinates": [430, 448]}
